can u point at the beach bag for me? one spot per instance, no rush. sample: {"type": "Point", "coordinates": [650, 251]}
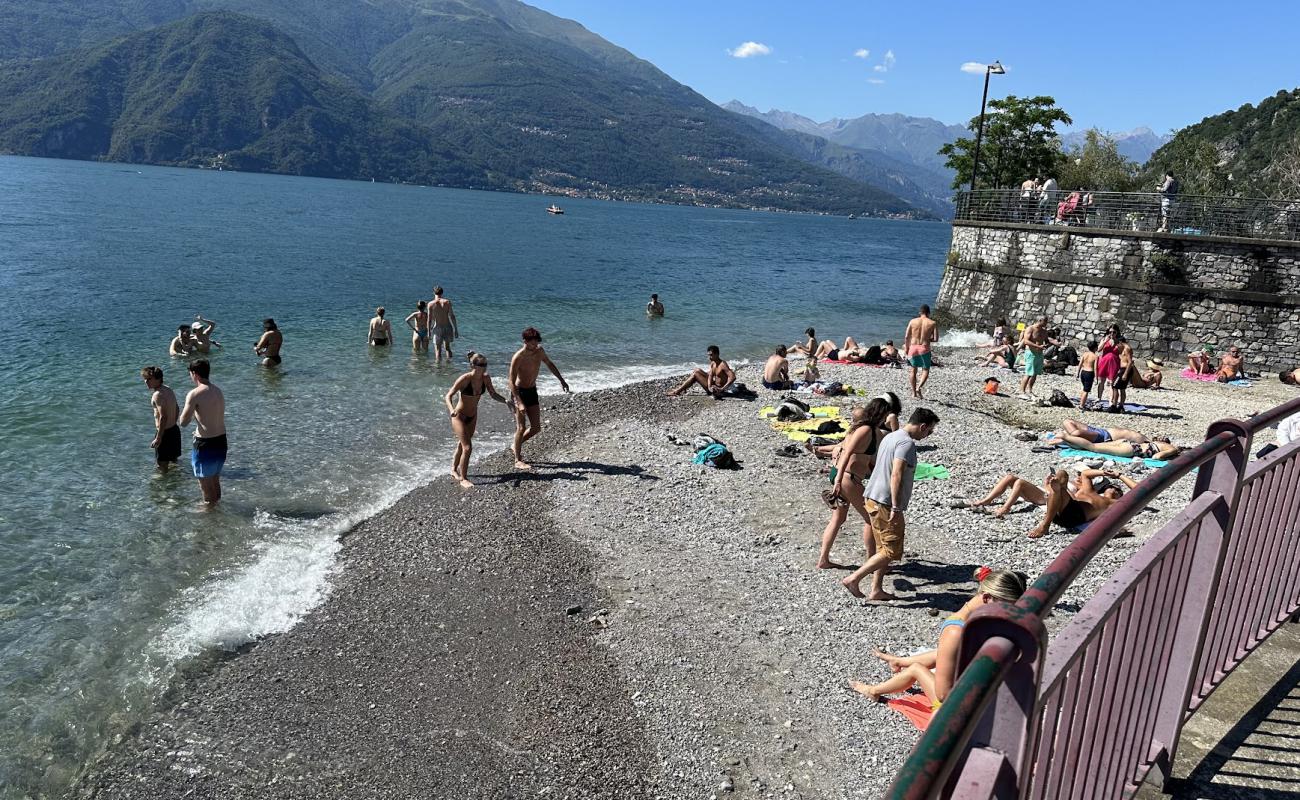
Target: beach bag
{"type": "Point", "coordinates": [827, 426]}
{"type": "Point", "coordinates": [789, 411]}
{"type": "Point", "coordinates": [796, 402]}
{"type": "Point", "coordinates": [1059, 399]}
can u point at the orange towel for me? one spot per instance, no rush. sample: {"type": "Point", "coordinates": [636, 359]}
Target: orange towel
{"type": "Point", "coordinates": [916, 707]}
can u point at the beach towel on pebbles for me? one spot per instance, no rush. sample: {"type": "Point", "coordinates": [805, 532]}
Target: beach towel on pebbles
{"type": "Point", "coordinates": [1070, 452]}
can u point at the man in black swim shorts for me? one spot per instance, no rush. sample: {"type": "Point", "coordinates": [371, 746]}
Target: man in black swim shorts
{"type": "Point", "coordinates": [167, 434]}
{"type": "Point", "coordinates": [524, 368]}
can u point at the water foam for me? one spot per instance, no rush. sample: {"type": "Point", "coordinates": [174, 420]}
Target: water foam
{"type": "Point", "coordinates": [964, 339]}
{"type": "Point", "coordinates": [593, 380]}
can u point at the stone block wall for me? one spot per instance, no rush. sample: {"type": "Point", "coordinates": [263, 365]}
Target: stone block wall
{"type": "Point", "coordinates": [1167, 292]}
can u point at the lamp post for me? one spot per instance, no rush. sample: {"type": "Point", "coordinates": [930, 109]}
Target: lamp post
{"type": "Point", "coordinates": [995, 68]}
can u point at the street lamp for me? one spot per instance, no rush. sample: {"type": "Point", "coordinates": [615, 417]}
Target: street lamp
{"type": "Point", "coordinates": [995, 68]}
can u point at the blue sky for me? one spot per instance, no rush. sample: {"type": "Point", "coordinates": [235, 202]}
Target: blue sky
{"type": "Point", "coordinates": [1108, 64]}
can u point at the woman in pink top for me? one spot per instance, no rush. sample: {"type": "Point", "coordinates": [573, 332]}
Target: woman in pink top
{"type": "Point", "coordinates": [1108, 361]}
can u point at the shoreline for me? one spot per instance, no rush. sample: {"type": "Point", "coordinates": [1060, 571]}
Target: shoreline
{"type": "Point", "coordinates": [445, 660]}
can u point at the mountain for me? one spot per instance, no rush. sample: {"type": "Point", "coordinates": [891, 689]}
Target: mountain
{"type": "Point", "coordinates": [215, 88]}
{"type": "Point", "coordinates": [917, 185]}
{"type": "Point", "coordinates": [489, 93]}
{"type": "Point", "coordinates": [1136, 145]}
{"type": "Point", "coordinates": [913, 140]}
{"type": "Point", "coordinates": [1254, 150]}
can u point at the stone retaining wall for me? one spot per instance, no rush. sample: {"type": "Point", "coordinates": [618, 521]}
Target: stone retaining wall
{"type": "Point", "coordinates": [1167, 292]}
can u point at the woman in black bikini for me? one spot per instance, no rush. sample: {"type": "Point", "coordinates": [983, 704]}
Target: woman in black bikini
{"type": "Point", "coordinates": [464, 413]}
{"type": "Point", "coordinates": [1071, 509]}
{"type": "Point", "coordinates": [853, 464]}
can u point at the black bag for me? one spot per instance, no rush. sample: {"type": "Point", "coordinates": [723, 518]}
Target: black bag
{"type": "Point", "coordinates": [827, 426]}
{"type": "Point", "coordinates": [1059, 399]}
{"type": "Point", "coordinates": [796, 402]}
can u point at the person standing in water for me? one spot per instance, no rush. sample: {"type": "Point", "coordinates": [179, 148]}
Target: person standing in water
{"type": "Point", "coordinates": [654, 308]}
{"type": "Point", "coordinates": [202, 330]}
{"type": "Point", "coordinates": [206, 406]}
{"type": "Point", "coordinates": [524, 367]}
{"type": "Point", "coordinates": [183, 343]}
{"type": "Point", "coordinates": [167, 434]}
{"type": "Point", "coordinates": [418, 322]}
{"type": "Point", "coordinates": [464, 413]}
{"type": "Point", "coordinates": [381, 330]}
{"type": "Point", "coordinates": [445, 328]}
{"type": "Point", "coordinates": [268, 347]}
{"type": "Point", "coordinates": [922, 332]}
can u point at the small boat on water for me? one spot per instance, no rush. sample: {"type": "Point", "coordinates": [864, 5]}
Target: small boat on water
{"type": "Point", "coordinates": [554, 209]}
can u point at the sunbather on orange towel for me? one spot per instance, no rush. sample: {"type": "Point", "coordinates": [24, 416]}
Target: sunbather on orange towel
{"type": "Point", "coordinates": [936, 671]}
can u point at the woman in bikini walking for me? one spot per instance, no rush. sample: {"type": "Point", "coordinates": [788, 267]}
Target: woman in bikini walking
{"type": "Point", "coordinates": [853, 464]}
{"type": "Point", "coordinates": [467, 390]}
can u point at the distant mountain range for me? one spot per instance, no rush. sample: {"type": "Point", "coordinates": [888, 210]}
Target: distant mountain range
{"type": "Point", "coordinates": [1136, 145]}
{"type": "Point", "coordinates": [477, 93]}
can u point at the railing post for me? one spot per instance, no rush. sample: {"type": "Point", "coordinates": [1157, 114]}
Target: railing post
{"type": "Point", "coordinates": [1222, 476]}
{"type": "Point", "coordinates": [1005, 728]}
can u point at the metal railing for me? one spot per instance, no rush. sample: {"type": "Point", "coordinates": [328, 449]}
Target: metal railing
{"type": "Point", "coordinates": [1092, 717]}
{"type": "Point", "coordinates": [1190, 215]}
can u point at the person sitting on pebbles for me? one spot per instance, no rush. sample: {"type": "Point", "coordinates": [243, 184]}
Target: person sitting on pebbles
{"type": "Point", "coordinates": [717, 381]}
{"type": "Point", "coordinates": [1072, 509]}
{"type": "Point", "coordinates": [935, 671]}
{"type": "Point", "coordinates": [776, 372]}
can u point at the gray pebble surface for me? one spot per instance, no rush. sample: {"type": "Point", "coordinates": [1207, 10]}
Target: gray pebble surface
{"type": "Point", "coordinates": [622, 623]}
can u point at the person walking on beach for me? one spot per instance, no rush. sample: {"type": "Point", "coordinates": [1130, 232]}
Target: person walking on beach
{"type": "Point", "coordinates": [202, 330]}
{"type": "Point", "coordinates": [717, 381]}
{"type": "Point", "coordinates": [381, 330]}
{"type": "Point", "coordinates": [445, 328]}
{"type": "Point", "coordinates": [1033, 340]}
{"type": "Point", "coordinates": [888, 493]}
{"type": "Point", "coordinates": [166, 442]}
{"type": "Point", "coordinates": [468, 390]}
{"type": "Point", "coordinates": [855, 458]}
{"type": "Point", "coordinates": [268, 346]}
{"type": "Point", "coordinates": [418, 322]}
{"type": "Point", "coordinates": [921, 333]}
{"type": "Point", "coordinates": [524, 367]}
{"type": "Point", "coordinates": [183, 343]}
{"type": "Point", "coordinates": [654, 308]}
{"type": "Point", "coordinates": [206, 406]}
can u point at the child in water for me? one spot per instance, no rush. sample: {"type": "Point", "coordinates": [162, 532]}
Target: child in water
{"type": "Point", "coordinates": [935, 671]}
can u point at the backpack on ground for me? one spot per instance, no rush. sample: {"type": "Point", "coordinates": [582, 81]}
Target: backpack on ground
{"type": "Point", "coordinates": [1060, 399]}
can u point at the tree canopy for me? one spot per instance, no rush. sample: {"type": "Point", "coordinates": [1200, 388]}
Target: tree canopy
{"type": "Point", "coordinates": [1020, 141]}
{"type": "Point", "coordinates": [1097, 165]}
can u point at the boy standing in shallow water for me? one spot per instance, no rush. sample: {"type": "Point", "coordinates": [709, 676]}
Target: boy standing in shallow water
{"type": "Point", "coordinates": [167, 434]}
{"type": "Point", "coordinates": [524, 368]}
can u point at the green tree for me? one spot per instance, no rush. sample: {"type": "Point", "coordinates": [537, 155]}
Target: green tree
{"type": "Point", "coordinates": [1197, 163]}
{"type": "Point", "coordinates": [1097, 164]}
{"type": "Point", "coordinates": [1020, 141]}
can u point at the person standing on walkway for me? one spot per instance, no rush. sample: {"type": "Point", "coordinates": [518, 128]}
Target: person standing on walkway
{"type": "Point", "coordinates": [445, 328]}
{"type": "Point", "coordinates": [887, 494]}
{"type": "Point", "coordinates": [206, 406]}
{"type": "Point", "coordinates": [1168, 190]}
{"type": "Point", "coordinates": [524, 367]}
{"type": "Point", "coordinates": [167, 435]}
{"type": "Point", "coordinates": [921, 333]}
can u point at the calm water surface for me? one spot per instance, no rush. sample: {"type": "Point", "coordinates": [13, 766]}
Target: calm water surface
{"type": "Point", "coordinates": [111, 575]}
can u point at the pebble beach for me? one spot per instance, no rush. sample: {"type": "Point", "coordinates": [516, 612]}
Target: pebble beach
{"type": "Point", "coordinates": [623, 623]}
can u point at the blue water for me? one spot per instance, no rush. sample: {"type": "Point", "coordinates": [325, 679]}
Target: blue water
{"type": "Point", "coordinates": [111, 576]}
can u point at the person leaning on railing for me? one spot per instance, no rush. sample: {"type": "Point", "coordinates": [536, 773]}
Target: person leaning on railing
{"type": "Point", "coordinates": [935, 671]}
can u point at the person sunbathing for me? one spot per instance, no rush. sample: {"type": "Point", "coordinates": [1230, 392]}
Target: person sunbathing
{"type": "Point", "coordinates": [1074, 427]}
{"type": "Point", "coordinates": [1003, 355]}
{"type": "Point", "coordinates": [1160, 448]}
{"type": "Point", "coordinates": [1072, 509]}
{"type": "Point", "coordinates": [1230, 366]}
{"type": "Point", "coordinates": [935, 671]}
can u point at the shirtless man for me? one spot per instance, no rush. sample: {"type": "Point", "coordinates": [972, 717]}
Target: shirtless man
{"type": "Point", "coordinates": [890, 355]}
{"type": "Point", "coordinates": [921, 333]}
{"type": "Point", "coordinates": [381, 330]}
{"type": "Point", "coordinates": [1119, 386]}
{"type": "Point", "coordinates": [1229, 365]}
{"type": "Point", "coordinates": [418, 322]}
{"type": "Point", "coordinates": [268, 347]}
{"type": "Point", "coordinates": [445, 328]}
{"type": "Point", "coordinates": [654, 308]}
{"type": "Point", "coordinates": [716, 381]}
{"type": "Point", "coordinates": [202, 330]}
{"type": "Point", "coordinates": [1033, 341]}
{"type": "Point", "coordinates": [776, 372]}
{"type": "Point", "coordinates": [1072, 509]}
{"type": "Point", "coordinates": [183, 343]}
{"type": "Point", "coordinates": [524, 367]}
{"type": "Point", "coordinates": [206, 405]}
{"type": "Point", "coordinates": [167, 435]}
{"type": "Point", "coordinates": [1290, 377]}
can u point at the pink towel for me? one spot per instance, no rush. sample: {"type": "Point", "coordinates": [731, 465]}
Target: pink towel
{"type": "Point", "coordinates": [850, 363]}
{"type": "Point", "coordinates": [1192, 375]}
{"type": "Point", "coordinates": [916, 707]}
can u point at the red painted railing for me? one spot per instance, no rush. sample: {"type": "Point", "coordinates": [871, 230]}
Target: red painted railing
{"type": "Point", "coordinates": [1093, 715]}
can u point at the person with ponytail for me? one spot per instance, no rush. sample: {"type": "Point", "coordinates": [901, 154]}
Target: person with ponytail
{"type": "Point", "coordinates": [855, 457]}
{"type": "Point", "coordinates": [936, 671]}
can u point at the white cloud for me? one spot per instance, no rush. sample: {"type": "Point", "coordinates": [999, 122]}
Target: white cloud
{"type": "Point", "coordinates": [750, 49]}
{"type": "Point", "coordinates": [861, 52]}
{"type": "Point", "coordinates": [876, 81]}
{"type": "Point", "coordinates": [880, 68]}
{"type": "Point", "coordinates": [886, 63]}
{"type": "Point", "coordinates": [973, 67]}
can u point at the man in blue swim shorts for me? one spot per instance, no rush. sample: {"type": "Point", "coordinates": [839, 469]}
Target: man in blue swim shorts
{"type": "Point", "coordinates": [206, 406]}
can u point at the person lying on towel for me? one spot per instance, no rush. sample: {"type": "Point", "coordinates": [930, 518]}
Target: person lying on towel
{"type": "Point", "coordinates": [1071, 508]}
{"type": "Point", "coordinates": [936, 671]}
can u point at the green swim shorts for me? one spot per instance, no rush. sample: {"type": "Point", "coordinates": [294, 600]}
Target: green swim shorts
{"type": "Point", "coordinates": [921, 360]}
{"type": "Point", "coordinates": [1033, 363]}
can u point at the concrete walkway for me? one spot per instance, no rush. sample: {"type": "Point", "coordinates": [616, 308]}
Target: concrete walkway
{"type": "Point", "coordinates": [1244, 742]}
